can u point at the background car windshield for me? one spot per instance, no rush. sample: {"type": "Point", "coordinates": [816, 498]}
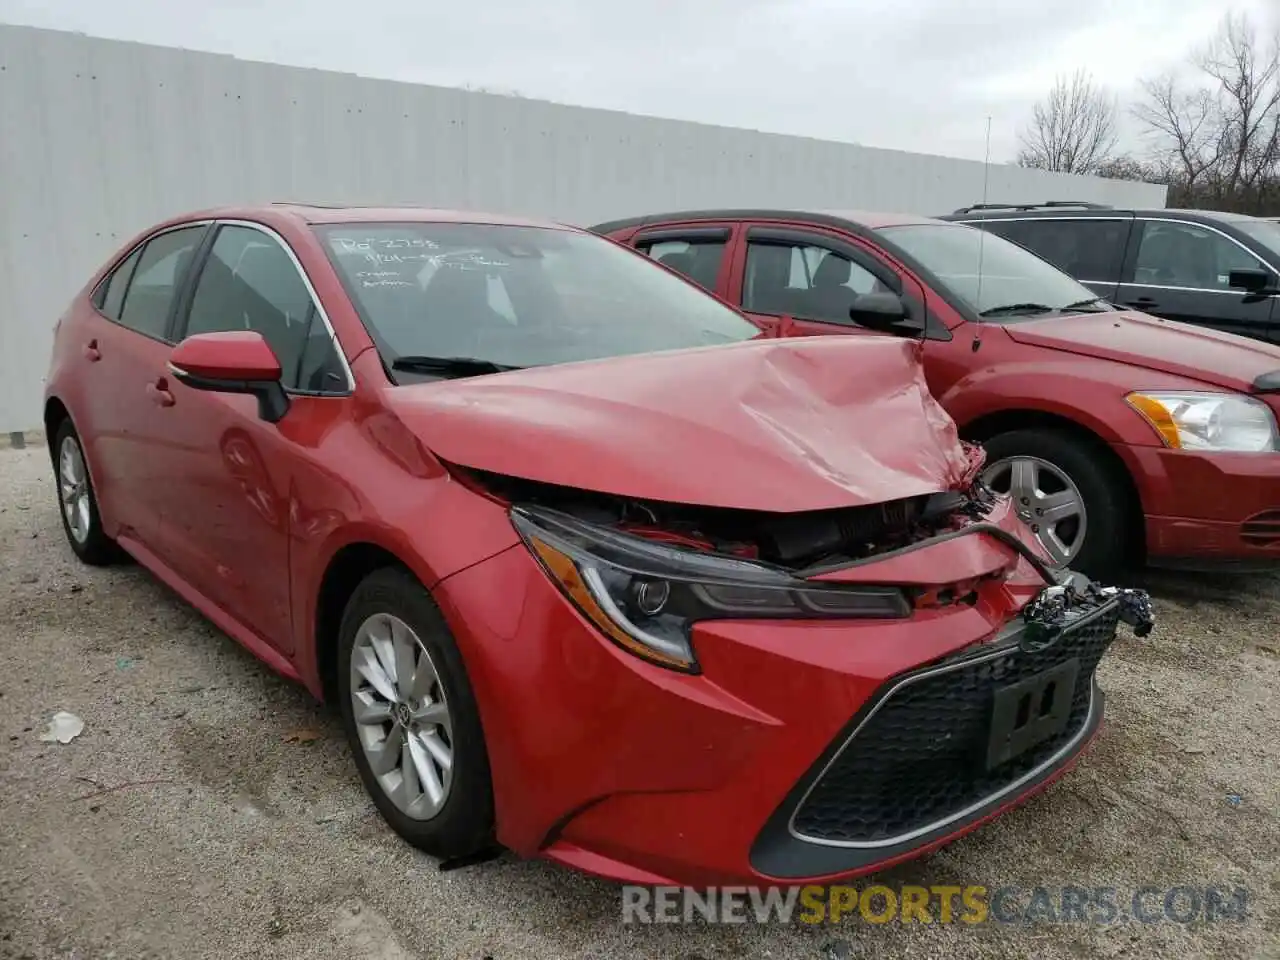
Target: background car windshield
{"type": "Point", "coordinates": [1010, 276]}
{"type": "Point", "coordinates": [518, 296]}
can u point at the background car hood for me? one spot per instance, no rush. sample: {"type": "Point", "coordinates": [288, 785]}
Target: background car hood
{"type": "Point", "coordinates": [1167, 346]}
{"type": "Point", "coordinates": [781, 425]}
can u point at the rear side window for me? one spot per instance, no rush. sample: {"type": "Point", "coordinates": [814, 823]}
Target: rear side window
{"type": "Point", "coordinates": [159, 273]}
{"type": "Point", "coordinates": [111, 297]}
{"type": "Point", "coordinates": [1088, 249]}
{"type": "Point", "coordinates": [699, 260]}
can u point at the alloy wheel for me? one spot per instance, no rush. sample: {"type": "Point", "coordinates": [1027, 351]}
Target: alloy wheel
{"type": "Point", "coordinates": [1046, 499]}
{"type": "Point", "coordinates": [73, 489]}
{"type": "Point", "coordinates": [402, 716]}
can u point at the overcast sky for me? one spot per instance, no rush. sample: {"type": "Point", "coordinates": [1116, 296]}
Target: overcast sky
{"type": "Point", "coordinates": [913, 74]}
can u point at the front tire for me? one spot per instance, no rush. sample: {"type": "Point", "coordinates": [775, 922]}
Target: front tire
{"type": "Point", "coordinates": [1075, 501]}
{"type": "Point", "coordinates": [411, 718]}
{"type": "Point", "coordinates": [77, 502]}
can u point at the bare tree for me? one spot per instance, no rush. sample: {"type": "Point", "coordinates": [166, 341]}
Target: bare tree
{"type": "Point", "coordinates": [1220, 136]}
{"type": "Point", "coordinates": [1073, 130]}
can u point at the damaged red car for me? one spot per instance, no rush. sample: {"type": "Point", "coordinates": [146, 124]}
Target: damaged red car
{"type": "Point", "coordinates": [592, 569]}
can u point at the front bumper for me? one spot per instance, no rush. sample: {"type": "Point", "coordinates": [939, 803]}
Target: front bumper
{"type": "Point", "coordinates": [1208, 510]}
{"type": "Point", "coordinates": [740, 774]}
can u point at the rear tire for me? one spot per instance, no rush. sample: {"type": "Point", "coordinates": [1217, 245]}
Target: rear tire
{"type": "Point", "coordinates": [397, 656]}
{"type": "Point", "coordinates": [1106, 508]}
{"type": "Point", "coordinates": [78, 503]}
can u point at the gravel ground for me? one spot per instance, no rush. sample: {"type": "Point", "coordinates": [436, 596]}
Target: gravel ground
{"type": "Point", "coordinates": [240, 829]}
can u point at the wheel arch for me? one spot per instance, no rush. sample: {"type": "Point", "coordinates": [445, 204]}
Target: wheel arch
{"type": "Point", "coordinates": [348, 566]}
{"type": "Point", "coordinates": [55, 414]}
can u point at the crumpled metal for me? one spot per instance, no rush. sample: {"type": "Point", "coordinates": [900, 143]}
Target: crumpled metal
{"type": "Point", "coordinates": [1059, 605]}
{"type": "Point", "coordinates": [778, 425]}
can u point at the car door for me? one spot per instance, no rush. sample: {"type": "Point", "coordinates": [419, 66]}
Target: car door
{"type": "Point", "coordinates": [231, 485]}
{"type": "Point", "coordinates": [124, 360]}
{"type": "Point", "coordinates": [1091, 249]}
{"type": "Point", "coordinates": [1180, 270]}
{"type": "Point", "coordinates": [701, 252]}
{"type": "Point", "coordinates": [812, 276]}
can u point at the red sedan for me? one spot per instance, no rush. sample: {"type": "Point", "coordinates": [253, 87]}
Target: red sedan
{"type": "Point", "coordinates": [1122, 437]}
{"type": "Point", "coordinates": [592, 569]}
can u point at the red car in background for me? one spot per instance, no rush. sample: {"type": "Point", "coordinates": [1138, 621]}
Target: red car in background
{"type": "Point", "coordinates": [592, 569]}
{"type": "Point", "coordinates": [1121, 437]}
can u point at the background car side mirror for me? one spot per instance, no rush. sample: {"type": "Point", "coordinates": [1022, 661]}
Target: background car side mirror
{"type": "Point", "coordinates": [232, 361]}
{"type": "Point", "coordinates": [1258, 283]}
{"type": "Point", "coordinates": [884, 312]}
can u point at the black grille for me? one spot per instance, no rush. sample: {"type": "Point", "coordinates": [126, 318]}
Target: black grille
{"type": "Point", "coordinates": [921, 758]}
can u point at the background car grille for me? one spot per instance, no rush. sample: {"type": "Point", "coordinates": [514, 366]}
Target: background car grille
{"type": "Point", "coordinates": [922, 757]}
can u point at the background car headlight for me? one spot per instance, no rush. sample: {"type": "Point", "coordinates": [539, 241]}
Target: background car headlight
{"type": "Point", "coordinates": [1208, 421]}
{"type": "Point", "coordinates": [645, 596]}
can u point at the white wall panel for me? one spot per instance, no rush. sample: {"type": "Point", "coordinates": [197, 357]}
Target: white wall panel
{"type": "Point", "coordinates": [100, 138]}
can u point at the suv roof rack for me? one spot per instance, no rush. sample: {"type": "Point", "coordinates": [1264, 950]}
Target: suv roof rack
{"type": "Point", "coordinates": [1047, 205]}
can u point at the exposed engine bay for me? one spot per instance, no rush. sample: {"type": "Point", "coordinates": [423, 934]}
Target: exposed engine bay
{"type": "Point", "coordinates": [794, 541]}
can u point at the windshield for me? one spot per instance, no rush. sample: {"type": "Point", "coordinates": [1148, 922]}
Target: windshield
{"type": "Point", "coordinates": [1014, 282]}
{"type": "Point", "coordinates": [516, 296]}
{"type": "Point", "coordinates": [1265, 232]}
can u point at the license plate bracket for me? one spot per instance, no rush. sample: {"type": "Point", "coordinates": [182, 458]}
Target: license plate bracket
{"type": "Point", "coordinates": [1030, 711]}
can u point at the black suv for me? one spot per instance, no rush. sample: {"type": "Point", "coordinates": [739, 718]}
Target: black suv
{"type": "Point", "coordinates": [1212, 269]}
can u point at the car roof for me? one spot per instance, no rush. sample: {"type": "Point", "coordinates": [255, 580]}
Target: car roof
{"type": "Point", "coordinates": [324, 213]}
{"type": "Point", "coordinates": [864, 219]}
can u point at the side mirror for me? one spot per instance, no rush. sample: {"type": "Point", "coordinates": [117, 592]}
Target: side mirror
{"type": "Point", "coordinates": [233, 361]}
{"type": "Point", "coordinates": [884, 312]}
{"type": "Point", "coordinates": [1252, 280]}
{"type": "Point", "coordinates": [1257, 284]}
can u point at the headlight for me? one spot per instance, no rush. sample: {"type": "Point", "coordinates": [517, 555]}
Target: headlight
{"type": "Point", "coordinates": [1209, 421]}
{"type": "Point", "coordinates": [645, 596]}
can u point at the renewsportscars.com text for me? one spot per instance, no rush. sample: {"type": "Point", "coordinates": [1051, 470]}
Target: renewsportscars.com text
{"type": "Point", "coordinates": [970, 904]}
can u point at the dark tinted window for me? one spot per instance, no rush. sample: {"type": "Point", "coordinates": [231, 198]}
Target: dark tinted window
{"type": "Point", "coordinates": [160, 271]}
{"type": "Point", "coordinates": [113, 289]}
{"type": "Point", "coordinates": [699, 260]}
{"type": "Point", "coordinates": [249, 282]}
{"type": "Point", "coordinates": [809, 282]}
{"type": "Point", "coordinates": [519, 296]}
{"type": "Point", "coordinates": [1088, 249]}
{"type": "Point", "coordinates": [1188, 255]}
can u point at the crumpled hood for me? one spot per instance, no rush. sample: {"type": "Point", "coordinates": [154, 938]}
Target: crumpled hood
{"type": "Point", "coordinates": [1166, 346]}
{"type": "Point", "coordinates": [781, 425]}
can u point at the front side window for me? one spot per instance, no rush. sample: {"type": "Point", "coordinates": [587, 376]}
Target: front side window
{"type": "Point", "coordinates": [699, 260]}
{"type": "Point", "coordinates": [804, 281]}
{"type": "Point", "coordinates": [517, 296]}
{"type": "Point", "coordinates": [1188, 255]}
{"type": "Point", "coordinates": [995, 278]}
{"type": "Point", "coordinates": [161, 268]}
{"type": "Point", "coordinates": [249, 282]}
{"type": "Point", "coordinates": [1086, 248]}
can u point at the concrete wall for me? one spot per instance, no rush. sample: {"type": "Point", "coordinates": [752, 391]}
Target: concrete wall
{"type": "Point", "coordinates": [100, 138]}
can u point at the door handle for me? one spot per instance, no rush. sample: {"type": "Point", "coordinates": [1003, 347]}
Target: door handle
{"type": "Point", "coordinates": [92, 352]}
{"type": "Point", "coordinates": [159, 393]}
{"type": "Point", "coordinates": [1141, 303]}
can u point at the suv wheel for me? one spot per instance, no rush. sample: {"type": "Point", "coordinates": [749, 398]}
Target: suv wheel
{"type": "Point", "coordinates": [1074, 503]}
